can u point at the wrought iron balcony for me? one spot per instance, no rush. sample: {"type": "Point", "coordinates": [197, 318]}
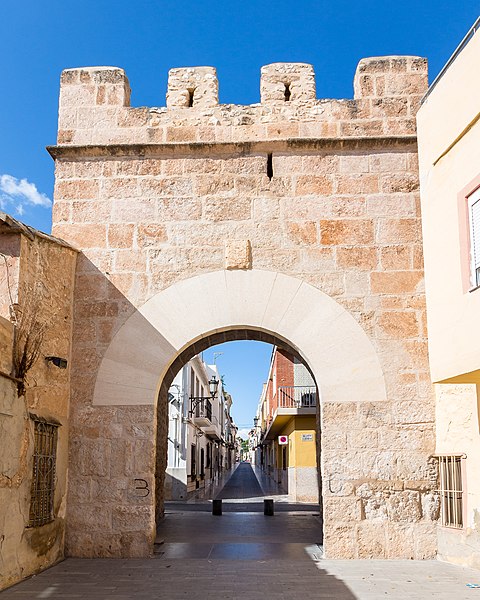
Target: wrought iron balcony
{"type": "Point", "coordinates": [297, 396]}
{"type": "Point", "coordinates": [201, 411]}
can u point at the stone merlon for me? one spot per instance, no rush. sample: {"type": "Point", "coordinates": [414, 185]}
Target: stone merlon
{"type": "Point", "coordinates": [95, 106]}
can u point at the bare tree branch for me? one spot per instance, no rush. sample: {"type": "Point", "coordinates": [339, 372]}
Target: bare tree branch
{"type": "Point", "coordinates": [28, 338]}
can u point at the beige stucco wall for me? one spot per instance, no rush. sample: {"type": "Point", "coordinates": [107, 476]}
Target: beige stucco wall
{"type": "Point", "coordinates": [448, 114]}
{"type": "Point", "coordinates": [45, 271]}
{"type": "Point", "coordinates": [457, 428]}
{"type": "Point", "coordinates": [449, 159]}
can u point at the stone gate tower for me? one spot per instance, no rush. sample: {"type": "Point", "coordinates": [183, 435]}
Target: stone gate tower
{"type": "Point", "coordinates": [294, 220]}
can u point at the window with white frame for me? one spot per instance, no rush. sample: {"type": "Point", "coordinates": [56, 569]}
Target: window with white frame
{"type": "Point", "coordinates": [451, 490]}
{"type": "Point", "coordinates": [474, 222]}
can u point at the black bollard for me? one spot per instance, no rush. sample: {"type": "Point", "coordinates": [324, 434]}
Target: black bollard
{"type": "Point", "coordinates": [268, 507]}
{"type": "Point", "coordinates": [217, 507]}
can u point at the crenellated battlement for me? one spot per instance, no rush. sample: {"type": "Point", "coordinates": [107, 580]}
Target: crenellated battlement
{"type": "Point", "coordinates": [95, 106]}
{"type": "Point", "coordinates": [192, 87]}
{"type": "Point", "coordinates": [293, 219]}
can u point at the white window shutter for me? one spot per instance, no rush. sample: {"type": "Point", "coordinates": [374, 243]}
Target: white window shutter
{"type": "Point", "coordinates": [476, 232]}
{"type": "Point", "coordinates": [474, 216]}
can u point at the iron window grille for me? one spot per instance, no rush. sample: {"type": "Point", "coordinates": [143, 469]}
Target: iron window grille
{"type": "Point", "coordinates": [451, 490]}
{"type": "Point", "coordinates": [43, 480]}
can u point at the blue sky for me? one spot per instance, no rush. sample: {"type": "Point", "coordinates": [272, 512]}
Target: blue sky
{"type": "Point", "coordinates": [244, 366]}
{"type": "Point", "coordinates": [149, 37]}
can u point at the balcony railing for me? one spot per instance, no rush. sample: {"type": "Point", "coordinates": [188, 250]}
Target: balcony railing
{"type": "Point", "coordinates": [201, 408]}
{"type": "Point", "coordinates": [297, 396]}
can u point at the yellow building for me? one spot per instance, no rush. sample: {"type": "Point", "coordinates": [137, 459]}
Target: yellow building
{"type": "Point", "coordinates": [449, 155]}
{"type": "Point", "coordinates": [287, 428]}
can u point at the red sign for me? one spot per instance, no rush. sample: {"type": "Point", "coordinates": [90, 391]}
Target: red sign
{"type": "Point", "coordinates": [283, 440]}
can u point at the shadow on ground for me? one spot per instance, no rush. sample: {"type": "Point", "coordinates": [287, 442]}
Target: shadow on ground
{"type": "Point", "coordinates": [172, 579]}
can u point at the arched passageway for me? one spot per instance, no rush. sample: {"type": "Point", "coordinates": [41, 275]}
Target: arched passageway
{"type": "Point", "coordinates": [317, 195]}
{"type": "Point", "coordinates": [193, 314]}
{"type": "Point", "coordinates": [273, 394]}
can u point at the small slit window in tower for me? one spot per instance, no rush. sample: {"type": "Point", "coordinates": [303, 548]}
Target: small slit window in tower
{"type": "Point", "coordinates": [191, 93]}
{"type": "Point", "coordinates": [43, 481]}
{"type": "Point", "coordinates": [287, 92]}
{"type": "Point", "coordinates": [269, 166]}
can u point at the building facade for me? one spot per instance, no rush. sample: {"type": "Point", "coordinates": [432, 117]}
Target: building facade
{"type": "Point", "coordinates": [37, 275]}
{"type": "Point", "coordinates": [294, 221]}
{"type": "Point", "coordinates": [201, 431]}
{"type": "Point", "coordinates": [286, 428]}
{"type": "Point", "coordinates": [449, 143]}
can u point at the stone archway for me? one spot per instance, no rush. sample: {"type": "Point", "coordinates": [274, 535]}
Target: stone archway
{"type": "Point", "coordinates": [327, 337]}
{"type": "Point", "coordinates": [195, 313]}
{"type": "Point", "coordinates": [321, 195]}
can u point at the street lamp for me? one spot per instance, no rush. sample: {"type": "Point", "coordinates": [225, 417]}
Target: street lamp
{"type": "Point", "coordinates": [255, 422]}
{"type": "Point", "coordinates": [196, 400]}
{"type": "Point", "coordinates": [213, 385]}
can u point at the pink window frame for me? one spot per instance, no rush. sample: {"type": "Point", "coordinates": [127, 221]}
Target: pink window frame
{"type": "Point", "coordinates": [464, 233]}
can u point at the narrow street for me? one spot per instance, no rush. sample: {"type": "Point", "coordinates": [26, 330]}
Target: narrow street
{"type": "Point", "coordinates": [243, 532]}
{"type": "Point", "coordinates": [242, 484]}
{"type": "Point", "coordinates": [243, 554]}
{"type": "Point", "coordinates": [243, 489]}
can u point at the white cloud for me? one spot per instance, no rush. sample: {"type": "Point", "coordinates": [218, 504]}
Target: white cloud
{"type": "Point", "coordinates": [17, 193]}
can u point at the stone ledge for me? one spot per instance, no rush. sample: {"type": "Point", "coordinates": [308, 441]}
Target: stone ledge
{"type": "Point", "coordinates": [266, 146]}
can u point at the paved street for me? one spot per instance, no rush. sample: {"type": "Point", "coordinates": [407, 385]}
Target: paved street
{"type": "Point", "coordinates": [243, 555]}
{"type": "Point", "coordinates": [243, 490]}
{"type": "Point", "coordinates": [242, 484]}
{"type": "Point", "coordinates": [223, 579]}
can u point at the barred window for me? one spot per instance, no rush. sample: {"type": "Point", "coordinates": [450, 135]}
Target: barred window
{"type": "Point", "coordinates": [43, 481]}
{"type": "Point", "coordinates": [451, 490]}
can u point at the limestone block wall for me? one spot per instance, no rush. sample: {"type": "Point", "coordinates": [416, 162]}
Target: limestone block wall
{"type": "Point", "coordinates": [42, 274]}
{"type": "Point", "coordinates": [9, 276]}
{"type": "Point", "coordinates": [195, 87]}
{"type": "Point", "coordinates": [324, 191]}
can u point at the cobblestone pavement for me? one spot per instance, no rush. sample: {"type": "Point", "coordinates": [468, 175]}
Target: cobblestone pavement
{"type": "Point", "coordinates": [247, 556]}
